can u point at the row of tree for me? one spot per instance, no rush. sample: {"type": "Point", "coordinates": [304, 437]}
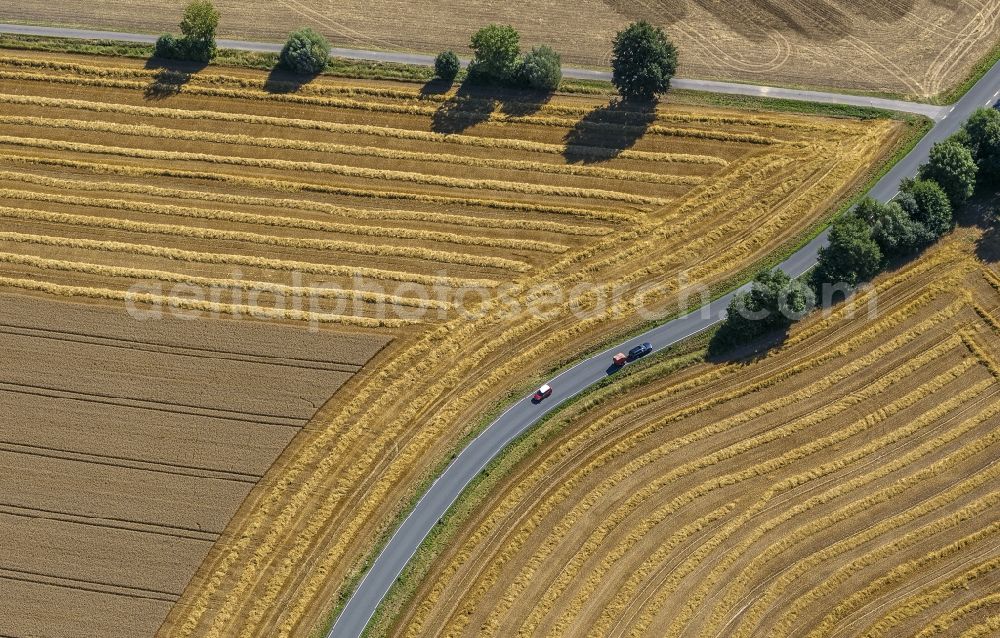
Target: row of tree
{"type": "Point", "coordinates": [305, 53]}
{"type": "Point", "coordinates": [643, 61]}
{"type": "Point", "coordinates": [873, 234]}
{"type": "Point", "coordinates": [868, 238]}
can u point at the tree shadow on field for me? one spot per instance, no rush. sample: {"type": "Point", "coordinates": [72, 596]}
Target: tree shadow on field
{"type": "Point", "coordinates": [988, 246]}
{"type": "Point", "coordinates": [606, 131]}
{"type": "Point", "coordinates": [170, 77]}
{"type": "Point", "coordinates": [983, 212]}
{"type": "Point", "coordinates": [468, 107]}
{"type": "Point", "coordinates": [281, 81]}
{"type": "Point", "coordinates": [435, 86]}
{"type": "Point", "coordinates": [473, 104]}
{"type": "Point", "coordinates": [723, 352]}
{"type": "Point", "coordinates": [523, 103]}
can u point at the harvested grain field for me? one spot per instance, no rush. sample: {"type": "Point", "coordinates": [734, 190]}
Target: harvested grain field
{"type": "Point", "coordinates": [378, 211]}
{"type": "Point", "coordinates": [913, 47]}
{"type": "Point", "coordinates": [130, 445]}
{"type": "Point", "coordinates": [845, 484]}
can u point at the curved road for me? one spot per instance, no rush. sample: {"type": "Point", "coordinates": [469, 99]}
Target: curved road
{"type": "Point", "coordinates": [523, 414]}
{"type": "Point", "coordinates": [733, 88]}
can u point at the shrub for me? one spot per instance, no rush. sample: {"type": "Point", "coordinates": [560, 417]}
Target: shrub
{"type": "Point", "coordinates": [166, 47]}
{"type": "Point", "coordinates": [643, 61]}
{"type": "Point", "coordinates": [446, 66]}
{"type": "Point", "coordinates": [306, 52]}
{"type": "Point", "coordinates": [951, 165]}
{"type": "Point", "coordinates": [496, 49]}
{"type": "Point", "coordinates": [541, 69]}
{"type": "Point", "coordinates": [853, 255]}
{"type": "Point", "coordinates": [982, 136]}
{"type": "Point", "coordinates": [773, 302]}
{"type": "Point", "coordinates": [926, 202]}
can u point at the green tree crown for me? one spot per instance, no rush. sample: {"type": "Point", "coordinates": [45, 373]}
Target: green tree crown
{"type": "Point", "coordinates": [643, 61]}
{"type": "Point", "coordinates": [496, 48]}
{"type": "Point", "coordinates": [305, 52]}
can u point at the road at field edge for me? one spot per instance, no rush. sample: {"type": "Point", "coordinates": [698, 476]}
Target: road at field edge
{"type": "Point", "coordinates": [732, 88]}
{"type": "Point", "coordinates": [439, 497]}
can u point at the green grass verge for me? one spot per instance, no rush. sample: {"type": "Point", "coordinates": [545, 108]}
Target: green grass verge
{"type": "Point", "coordinates": [750, 102]}
{"type": "Point", "coordinates": [411, 576]}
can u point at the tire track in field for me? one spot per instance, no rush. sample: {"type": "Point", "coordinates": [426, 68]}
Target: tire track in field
{"type": "Point", "coordinates": [9, 573]}
{"type": "Point", "coordinates": [148, 404]}
{"type": "Point", "coordinates": [114, 523]}
{"type": "Point", "coordinates": [179, 350]}
{"type": "Point", "coordinates": [160, 467]}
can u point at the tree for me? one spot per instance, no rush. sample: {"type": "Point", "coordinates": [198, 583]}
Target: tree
{"type": "Point", "coordinates": [541, 69]}
{"type": "Point", "coordinates": [853, 256]}
{"type": "Point", "coordinates": [898, 234]}
{"type": "Point", "coordinates": [773, 302]}
{"type": "Point", "coordinates": [951, 165]}
{"type": "Point", "coordinates": [926, 202]}
{"type": "Point", "coordinates": [496, 49]}
{"type": "Point", "coordinates": [446, 66]}
{"type": "Point", "coordinates": [198, 27]}
{"type": "Point", "coordinates": [982, 134]}
{"type": "Point", "coordinates": [306, 52]}
{"type": "Point", "coordinates": [643, 61]}
{"type": "Point", "coordinates": [197, 41]}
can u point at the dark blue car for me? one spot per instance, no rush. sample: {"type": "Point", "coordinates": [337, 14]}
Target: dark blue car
{"type": "Point", "coordinates": [640, 351]}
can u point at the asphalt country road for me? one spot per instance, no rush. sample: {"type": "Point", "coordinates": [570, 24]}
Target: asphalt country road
{"type": "Point", "coordinates": [732, 88]}
{"type": "Point", "coordinates": [522, 415]}
{"type": "Point", "coordinates": [438, 498]}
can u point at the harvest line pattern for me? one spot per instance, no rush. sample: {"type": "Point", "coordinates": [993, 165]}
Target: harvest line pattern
{"type": "Point", "coordinates": [348, 200]}
{"type": "Point", "coordinates": [847, 481]}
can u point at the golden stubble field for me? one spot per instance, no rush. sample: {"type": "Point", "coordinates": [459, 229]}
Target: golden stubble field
{"type": "Point", "coordinates": [844, 485]}
{"type": "Point", "coordinates": [371, 212]}
{"type": "Point", "coordinates": [911, 47]}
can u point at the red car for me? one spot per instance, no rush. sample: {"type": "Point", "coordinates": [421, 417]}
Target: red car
{"type": "Point", "coordinates": [542, 392]}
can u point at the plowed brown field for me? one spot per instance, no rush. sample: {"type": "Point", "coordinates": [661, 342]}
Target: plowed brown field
{"type": "Point", "coordinates": [912, 47]}
{"type": "Point", "coordinates": [361, 208]}
{"type": "Point", "coordinates": [127, 446]}
{"type": "Point", "coordinates": [844, 485]}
